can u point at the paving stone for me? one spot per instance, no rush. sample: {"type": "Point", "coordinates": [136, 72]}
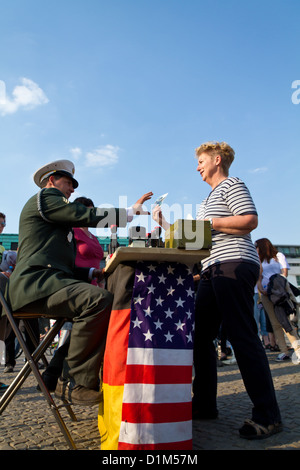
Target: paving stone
{"type": "Point", "coordinates": [28, 424]}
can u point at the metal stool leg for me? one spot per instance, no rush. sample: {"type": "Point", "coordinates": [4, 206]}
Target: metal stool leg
{"type": "Point", "coordinates": [26, 369]}
{"type": "Point", "coordinates": [32, 366]}
{"type": "Point", "coordinates": [53, 407]}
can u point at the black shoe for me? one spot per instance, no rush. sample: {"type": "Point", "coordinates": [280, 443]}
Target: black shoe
{"type": "Point", "coordinates": [50, 382]}
{"type": "Point", "coordinates": [77, 394]}
{"type": "Point", "coordinates": [252, 430]}
{"type": "Point", "coordinates": [3, 387]}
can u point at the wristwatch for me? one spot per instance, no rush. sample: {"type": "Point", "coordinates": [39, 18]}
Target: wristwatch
{"type": "Point", "coordinates": [211, 223]}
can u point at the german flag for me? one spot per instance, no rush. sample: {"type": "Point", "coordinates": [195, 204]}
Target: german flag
{"type": "Point", "coordinates": [120, 283]}
{"type": "Point", "coordinates": [147, 372]}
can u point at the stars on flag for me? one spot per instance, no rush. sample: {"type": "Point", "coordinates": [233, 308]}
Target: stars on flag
{"type": "Point", "coordinates": [171, 290]}
{"type": "Point", "coordinates": [148, 335]}
{"type": "Point", "coordinates": [151, 289]}
{"type": "Point", "coordinates": [137, 323]}
{"type": "Point", "coordinates": [162, 278]}
{"type": "Point", "coordinates": [180, 325]}
{"type": "Point", "coordinates": [190, 292]}
{"type": "Point", "coordinates": [180, 302]}
{"type": "Point", "coordinates": [140, 277]}
{"type": "Point", "coordinates": [148, 311]}
{"type": "Point", "coordinates": [158, 324]}
{"type": "Point", "coordinates": [168, 336]}
{"type": "Point", "coordinates": [169, 313]}
{"type": "Point", "coordinates": [162, 306]}
{"type": "Point", "coordinates": [152, 268]}
{"type": "Point", "coordinates": [138, 300]}
{"type": "Point", "coordinates": [180, 280]}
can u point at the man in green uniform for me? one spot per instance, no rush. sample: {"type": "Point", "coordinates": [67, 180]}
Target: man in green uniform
{"type": "Point", "coordinates": [46, 280]}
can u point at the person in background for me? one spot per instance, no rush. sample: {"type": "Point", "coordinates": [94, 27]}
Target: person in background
{"type": "Point", "coordinates": [113, 244]}
{"type": "Point", "coordinates": [89, 252]}
{"type": "Point", "coordinates": [3, 386]}
{"type": "Point", "coordinates": [260, 318]}
{"type": "Point", "coordinates": [274, 262]}
{"type": "Point", "coordinates": [273, 346]}
{"type": "Point", "coordinates": [225, 295]}
{"type": "Point", "coordinates": [7, 266]}
{"type": "Point", "coordinates": [8, 262]}
{"type": "Point", "coordinates": [2, 225]}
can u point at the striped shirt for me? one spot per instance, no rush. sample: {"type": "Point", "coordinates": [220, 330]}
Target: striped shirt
{"type": "Point", "coordinates": [230, 197]}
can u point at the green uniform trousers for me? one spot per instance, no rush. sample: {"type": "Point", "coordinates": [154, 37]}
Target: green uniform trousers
{"type": "Point", "coordinates": [89, 308]}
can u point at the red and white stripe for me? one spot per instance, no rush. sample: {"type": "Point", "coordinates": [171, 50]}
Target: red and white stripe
{"type": "Point", "coordinates": [157, 408]}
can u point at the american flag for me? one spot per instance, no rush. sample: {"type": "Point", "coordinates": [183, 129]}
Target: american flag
{"type": "Point", "coordinates": [156, 409]}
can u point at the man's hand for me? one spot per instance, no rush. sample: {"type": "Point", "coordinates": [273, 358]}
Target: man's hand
{"type": "Point", "coordinates": [137, 207]}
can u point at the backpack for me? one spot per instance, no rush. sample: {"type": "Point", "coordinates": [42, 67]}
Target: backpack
{"type": "Point", "coordinates": [9, 258]}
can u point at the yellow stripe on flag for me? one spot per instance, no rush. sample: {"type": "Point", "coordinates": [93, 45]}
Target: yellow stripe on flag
{"type": "Point", "coordinates": [110, 417]}
{"type": "Point", "coordinates": [114, 368]}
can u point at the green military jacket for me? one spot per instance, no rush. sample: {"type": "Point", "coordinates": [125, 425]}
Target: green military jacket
{"type": "Point", "coordinates": [47, 248]}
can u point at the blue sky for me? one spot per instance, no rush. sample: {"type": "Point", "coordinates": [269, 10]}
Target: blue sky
{"type": "Point", "coordinates": [127, 89]}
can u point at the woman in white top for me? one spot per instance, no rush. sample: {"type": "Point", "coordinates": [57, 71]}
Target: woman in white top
{"type": "Point", "coordinates": [225, 294]}
{"type": "Point", "coordinates": [274, 262]}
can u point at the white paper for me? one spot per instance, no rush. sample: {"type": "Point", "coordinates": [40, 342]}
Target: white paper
{"type": "Point", "coordinates": [160, 199]}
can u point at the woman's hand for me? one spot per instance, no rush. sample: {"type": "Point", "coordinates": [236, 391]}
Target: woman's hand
{"type": "Point", "coordinates": [137, 207]}
{"type": "Point", "coordinates": [157, 215]}
{"type": "Point", "coordinates": [260, 288]}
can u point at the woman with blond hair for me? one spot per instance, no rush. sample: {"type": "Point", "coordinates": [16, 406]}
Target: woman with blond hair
{"type": "Point", "coordinates": [225, 294]}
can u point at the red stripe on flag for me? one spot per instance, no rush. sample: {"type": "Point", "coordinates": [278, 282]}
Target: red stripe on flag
{"type": "Point", "coordinates": [156, 412]}
{"type": "Point", "coordinates": [115, 356]}
{"type": "Point", "coordinates": [181, 445]}
{"type": "Point", "coordinates": [158, 374]}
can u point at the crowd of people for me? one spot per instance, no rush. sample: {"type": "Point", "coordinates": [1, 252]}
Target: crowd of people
{"type": "Point", "coordinates": [58, 271]}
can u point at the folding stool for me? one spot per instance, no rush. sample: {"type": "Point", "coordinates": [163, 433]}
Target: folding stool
{"type": "Point", "coordinates": [31, 365]}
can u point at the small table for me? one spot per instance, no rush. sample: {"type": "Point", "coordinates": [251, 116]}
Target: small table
{"type": "Point", "coordinates": [147, 370]}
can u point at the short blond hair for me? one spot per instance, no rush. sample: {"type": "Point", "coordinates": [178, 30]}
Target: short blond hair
{"type": "Point", "coordinates": [218, 148]}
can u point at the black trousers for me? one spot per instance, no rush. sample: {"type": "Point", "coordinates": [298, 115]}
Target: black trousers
{"type": "Point", "coordinates": [89, 308]}
{"type": "Point", "coordinates": [10, 342]}
{"type": "Point", "coordinates": [225, 294]}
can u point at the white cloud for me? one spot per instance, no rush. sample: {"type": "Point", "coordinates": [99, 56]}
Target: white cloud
{"type": "Point", "coordinates": [28, 95]}
{"type": "Point", "coordinates": [262, 169]}
{"type": "Point", "coordinates": [76, 152]}
{"type": "Point", "coordinates": [104, 156]}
